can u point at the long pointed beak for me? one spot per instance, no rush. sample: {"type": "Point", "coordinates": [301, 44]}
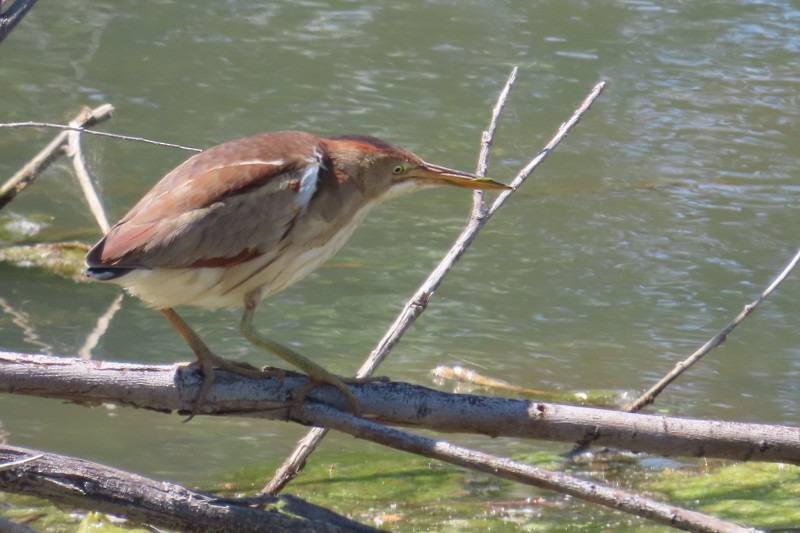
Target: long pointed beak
{"type": "Point", "coordinates": [447, 176]}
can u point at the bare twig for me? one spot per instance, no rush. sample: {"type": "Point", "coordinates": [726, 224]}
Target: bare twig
{"type": "Point", "coordinates": [520, 472]}
{"type": "Point", "coordinates": [100, 328]}
{"type": "Point", "coordinates": [13, 15]}
{"type": "Point", "coordinates": [12, 464]}
{"type": "Point", "coordinates": [95, 206]}
{"type": "Point", "coordinates": [56, 148]}
{"type": "Point", "coordinates": [419, 301]}
{"type": "Point", "coordinates": [560, 135]}
{"type": "Point", "coordinates": [99, 133]}
{"type": "Point", "coordinates": [715, 341]}
{"type": "Point", "coordinates": [487, 137]}
{"type": "Point", "coordinates": [416, 304]}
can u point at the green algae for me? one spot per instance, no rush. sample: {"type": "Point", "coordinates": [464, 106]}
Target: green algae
{"type": "Point", "coordinates": [393, 491]}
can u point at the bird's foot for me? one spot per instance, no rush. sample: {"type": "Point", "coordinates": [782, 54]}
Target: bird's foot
{"type": "Point", "coordinates": [236, 367]}
{"type": "Point", "coordinates": [340, 382]}
{"type": "Point", "coordinates": [211, 361]}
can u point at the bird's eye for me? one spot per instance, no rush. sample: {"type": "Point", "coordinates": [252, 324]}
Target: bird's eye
{"type": "Point", "coordinates": [398, 169]}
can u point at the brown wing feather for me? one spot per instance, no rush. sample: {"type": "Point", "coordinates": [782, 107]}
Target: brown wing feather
{"type": "Point", "coordinates": [226, 205]}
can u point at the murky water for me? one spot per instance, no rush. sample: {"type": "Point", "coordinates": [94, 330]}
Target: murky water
{"type": "Point", "coordinates": [668, 208]}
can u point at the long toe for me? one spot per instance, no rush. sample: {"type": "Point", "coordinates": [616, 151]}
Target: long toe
{"type": "Point", "coordinates": [237, 367]}
{"type": "Point", "coordinates": [363, 381]}
{"type": "Point", "coordinates": [339, 382]}
{"type": "Point", "coordinates": [207, 364]}
{"type": "Point", "coordinates": [207, 369]}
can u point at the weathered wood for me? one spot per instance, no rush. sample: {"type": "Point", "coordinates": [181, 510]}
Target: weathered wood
{"type": "Point", "coordinates": [591, 491]}
{"type": "Point", "coordinates": [88, 485]}
{"type": "Point", "coordinates": [170, 388]}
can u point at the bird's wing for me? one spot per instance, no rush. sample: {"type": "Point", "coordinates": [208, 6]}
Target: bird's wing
{"type": "Point", "coordinates": [232, 203]}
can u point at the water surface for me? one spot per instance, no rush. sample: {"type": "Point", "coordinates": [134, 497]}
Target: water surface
{"type": "Point", "coordinates": [668, 208]}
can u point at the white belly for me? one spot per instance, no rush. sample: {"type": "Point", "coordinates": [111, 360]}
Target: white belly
{"type": "Point", "coordinates": [213, 287]}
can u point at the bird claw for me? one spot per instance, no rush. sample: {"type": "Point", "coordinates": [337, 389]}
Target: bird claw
{"type": "Point", "coordinates": [278, 374]}
{"type": "Point", "coordinates": [299, 394]}
{"type": "Point", "coordinates": [363, 381]}
{"type": "Point", "coordinates": [340, 382]}
{"type": "Point", "coordinates": [209, 362]}
{"type": "Point", "coordinates": [207, 369]}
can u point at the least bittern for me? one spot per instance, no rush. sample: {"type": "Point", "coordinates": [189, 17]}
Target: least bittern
{"type": "Point", "coordinates": [246, 219]}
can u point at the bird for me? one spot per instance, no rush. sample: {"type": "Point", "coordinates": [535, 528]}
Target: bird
{"type": "Point", "coordinates": [241, 221]}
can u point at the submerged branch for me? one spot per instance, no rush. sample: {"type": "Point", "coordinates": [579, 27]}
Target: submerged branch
{"type": "Point", "coordinates": [84, 484]}
{"type": "Point", "coordinates": [590, 491]}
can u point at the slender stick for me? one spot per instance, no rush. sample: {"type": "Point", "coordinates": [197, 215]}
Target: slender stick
{"type": "Point", "coordinates": [51, 152]}
{"type": "Point", "coordinates": [719, 338]}
{"type": "Point", "coordinates": [95, 206]}
{"type": "Point", "coordinates": [562, 132]}
{"type": "Point", "coordinates": [70, 127]}
{"type": "Point", "coordinates": [11, 464]}
{"type": "Point", "coordinates": [306, 445]}
{"type": "Point", "coordinates": [419, 301]}
{"type": "Point", "coordinates": [516, 471]}
{"type": "Point", "coordinates": [417, 304]}
{"type": "Point", "coordinates": [478, 208]}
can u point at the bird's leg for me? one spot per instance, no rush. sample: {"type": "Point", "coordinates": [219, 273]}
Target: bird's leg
{"type": "Point", "coordinates": [316, 372]}
{"type": "Point", "coordinates": [206, 359]}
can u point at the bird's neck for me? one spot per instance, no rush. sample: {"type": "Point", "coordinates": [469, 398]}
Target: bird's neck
{"type": "Point", "coordinates": [349, 167]}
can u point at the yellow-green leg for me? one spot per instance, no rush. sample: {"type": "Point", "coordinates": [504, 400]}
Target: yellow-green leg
{"type": "Point", "coordinates": [317, 373]}
{"type": "Point", "coordinates": [206, 359]}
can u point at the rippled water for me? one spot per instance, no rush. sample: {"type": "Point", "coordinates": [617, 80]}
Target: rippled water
{"type": "Point", "coordinates": [664, 212]}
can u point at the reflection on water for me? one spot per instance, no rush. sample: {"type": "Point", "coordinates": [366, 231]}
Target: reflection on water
{"type": "Point", "coordinates": [667, 209]}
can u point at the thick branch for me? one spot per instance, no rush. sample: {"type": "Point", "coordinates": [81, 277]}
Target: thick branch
{"type": "Point", "coordinates": [88, 485]}
{"type": "Point", "coordinates": [174, 388]}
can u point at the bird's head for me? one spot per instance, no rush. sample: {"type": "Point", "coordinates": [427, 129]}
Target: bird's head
{"type": "Point", "coordinates": [385, 170]}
